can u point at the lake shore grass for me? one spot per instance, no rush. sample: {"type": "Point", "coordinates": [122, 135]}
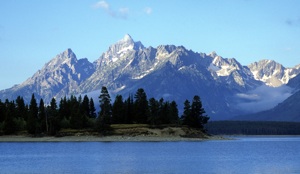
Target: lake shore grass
{"type": "Point", "coordinates": [90, 138]}
{"type": "Point", "coordinates": [119, 133]}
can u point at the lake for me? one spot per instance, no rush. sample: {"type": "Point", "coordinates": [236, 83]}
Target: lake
{"type": "Point", "coordinates": [254, 154]}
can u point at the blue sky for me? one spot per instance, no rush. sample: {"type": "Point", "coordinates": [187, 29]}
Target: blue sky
{"type": "Point", "coordinates": [34, 31]}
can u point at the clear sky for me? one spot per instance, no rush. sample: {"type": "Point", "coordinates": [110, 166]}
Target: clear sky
{"type": "Point", "coordinates": [34, 31]}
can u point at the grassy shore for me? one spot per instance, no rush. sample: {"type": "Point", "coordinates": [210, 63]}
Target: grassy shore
{"type": "Point", "coordinates": [87, 138]}
{"type": "Point", "coordinates": [119, 133]}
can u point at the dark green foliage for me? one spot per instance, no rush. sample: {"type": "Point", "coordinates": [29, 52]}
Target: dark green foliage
{"type": "Point", "coordinates": [22, 110]}
{"type": "Point", "coordinates": [154, 109]}
{"type": "Point", "coordinates": [186, 117]}
{"type": "Point", "coordinates": [46, 119]}
{"type": "Point", "coordinates": [253, 128]}
{"type": "Point", "coordinates": [173, 113]}
{"type": "Point", "coordinates": [33, 126]}
{"type": "Point", "coordinates": [164, 112]}
{"type": "Point", "coordinates": [2, 111]}
{"type": "Point", "coordinates": [79, 113]}
{"type": "Point", "coordinates": [84, 110]}
{"type": "Point", "coordinates": [53, 117]}
{"type": "Point", "coordinates": [161, 112]}
{"type": "Point", "coordinates": [141, 106]}
{"type": "Point", "coordinates": [104, 117]}
{"type": "Point", "coordinates": [76, 116]}
{"type": "Point", "coordinates": [128, 110]}
{"type": "Point", "coordinates": [92, 109]}
{"type": "Point", "coordinates": [118, 115]}
{"type": "Point", "coordinates": [9, 126]}
{"type": "Point", "coordinates": [85, 106]}
{"type": "Point", "coordinates": [42, 116]}
{"type": "Point", "coordinates": [193, 115]}
{"type": "Point", "coordinates": [64, 108]}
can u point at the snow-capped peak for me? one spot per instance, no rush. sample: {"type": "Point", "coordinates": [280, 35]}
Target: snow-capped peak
{"type": "Point", "coordinates": [272, 73]}
{"type": "Point", "coordinates": [119, 50]}
{"type": "Point", "coordinates": [127, 38]}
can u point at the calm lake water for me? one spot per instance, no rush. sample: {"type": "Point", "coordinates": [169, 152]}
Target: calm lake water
{"type": "Point", "coordinates": [244, 155]}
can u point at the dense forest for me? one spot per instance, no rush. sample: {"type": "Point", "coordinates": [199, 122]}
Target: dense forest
{"type": "Point", "coordinates": [73, 112]}
{"type": "Point", "coordinates": [253, 128]}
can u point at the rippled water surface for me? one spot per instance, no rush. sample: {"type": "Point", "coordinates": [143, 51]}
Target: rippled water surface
{"type": "Point", "coordinates": [244, 155]}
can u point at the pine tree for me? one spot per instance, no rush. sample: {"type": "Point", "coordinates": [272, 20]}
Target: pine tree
{"type": "Point", "coordinates": [2, 111]}
{"type": "Point", "coordinates": [76, 116]}
{"type": "Point", "coordinates": [53, 117]}
{"type": "Point", "coordinates": [173, 112]}
{"type": "Point", "coordinates": [154, 112]}
{"type": "Point", "coordinates": [186, 117]}
{"type": "Point", "coordinates": [198, 112]}
{"type": "Point", "coordinates": [63, 110]}
{"type": "Point", "coordinates": [85, 106]}
{"type": "Point", "coordinates": [42, 116]}
{"type": "Point", "coordinates": [193, 115]}
{"type": "Point", "coordinates": [33, 126]}
{"type": "Point", "coordinates": [84, 110]}
{"type": "Point", "coordinates": [141, 106]}
{"type": "Point", "coordinates": [9, 126]}
{"type": "Point", "coordinates": [165, 112]}
{"type": "Point", "coordinates": [128, 110]}
{"type": "Point", "coordinates": [118, 110]}
{"type": "Point", "coordinates": [92, 109]}
{"type": "Point", "coordinates": [22, 111]}
{"type": "Point", "coordinates": [104, 117]}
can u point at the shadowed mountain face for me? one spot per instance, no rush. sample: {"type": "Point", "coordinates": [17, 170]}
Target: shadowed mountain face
{"type": "Point", "coordinates": [168, 71]}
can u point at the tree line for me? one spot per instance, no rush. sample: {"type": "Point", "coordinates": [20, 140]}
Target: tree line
{"type": "Point", "coordinates": [80, 113]}
{"type": "Point", "coordinates": [253, 128]}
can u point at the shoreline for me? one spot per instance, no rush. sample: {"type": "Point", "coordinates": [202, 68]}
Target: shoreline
{"type": "Point", "coordinates": [114, 138]}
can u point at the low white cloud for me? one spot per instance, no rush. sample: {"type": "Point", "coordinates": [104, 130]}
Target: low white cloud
{"type": "Point", "coordinates": [262, 98]}
{"type": "Point", "coordinates": [122, 13]}
{"type": "Point", "coordinates": [148, 10]}
{"type": "Point", "coordinates": [101, 4]}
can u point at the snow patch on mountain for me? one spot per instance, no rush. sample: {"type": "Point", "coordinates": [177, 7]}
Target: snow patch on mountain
{"type": "Point", "coordinates": [272, 73]}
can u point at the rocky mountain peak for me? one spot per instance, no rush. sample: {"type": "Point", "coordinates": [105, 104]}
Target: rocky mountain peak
{"type": "Point", "coordinates": [127, 38]}
{"type": "Point", "coordinates": [119, 50]}
{"type": "Point", "coordinates": [67, 54]}
{"type": "Point", "coordinates": [213, 54]}
{"type": "Point", "coordinates": [269, 71]}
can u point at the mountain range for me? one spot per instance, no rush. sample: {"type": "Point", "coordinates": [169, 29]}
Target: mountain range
{"type": "Point", "coordinates": [227, 88]}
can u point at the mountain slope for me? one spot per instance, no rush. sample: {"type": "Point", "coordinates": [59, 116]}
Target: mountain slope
{"type": "Point", "coordinates": [60, 76]}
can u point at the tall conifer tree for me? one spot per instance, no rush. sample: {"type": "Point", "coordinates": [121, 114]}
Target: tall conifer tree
{"type": "Point", "coordinates": [92, 109]}
{"type": "Point", "coordinates": [141, 106]}
{"type": "Point", "coordinates": [33, 121]}
{"type": "Point", "coordinates": [104, 117]}
{"type": "Point", "coordinates": [118, 110]}
{"type": "Point", "coordinates": [42, 116]}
